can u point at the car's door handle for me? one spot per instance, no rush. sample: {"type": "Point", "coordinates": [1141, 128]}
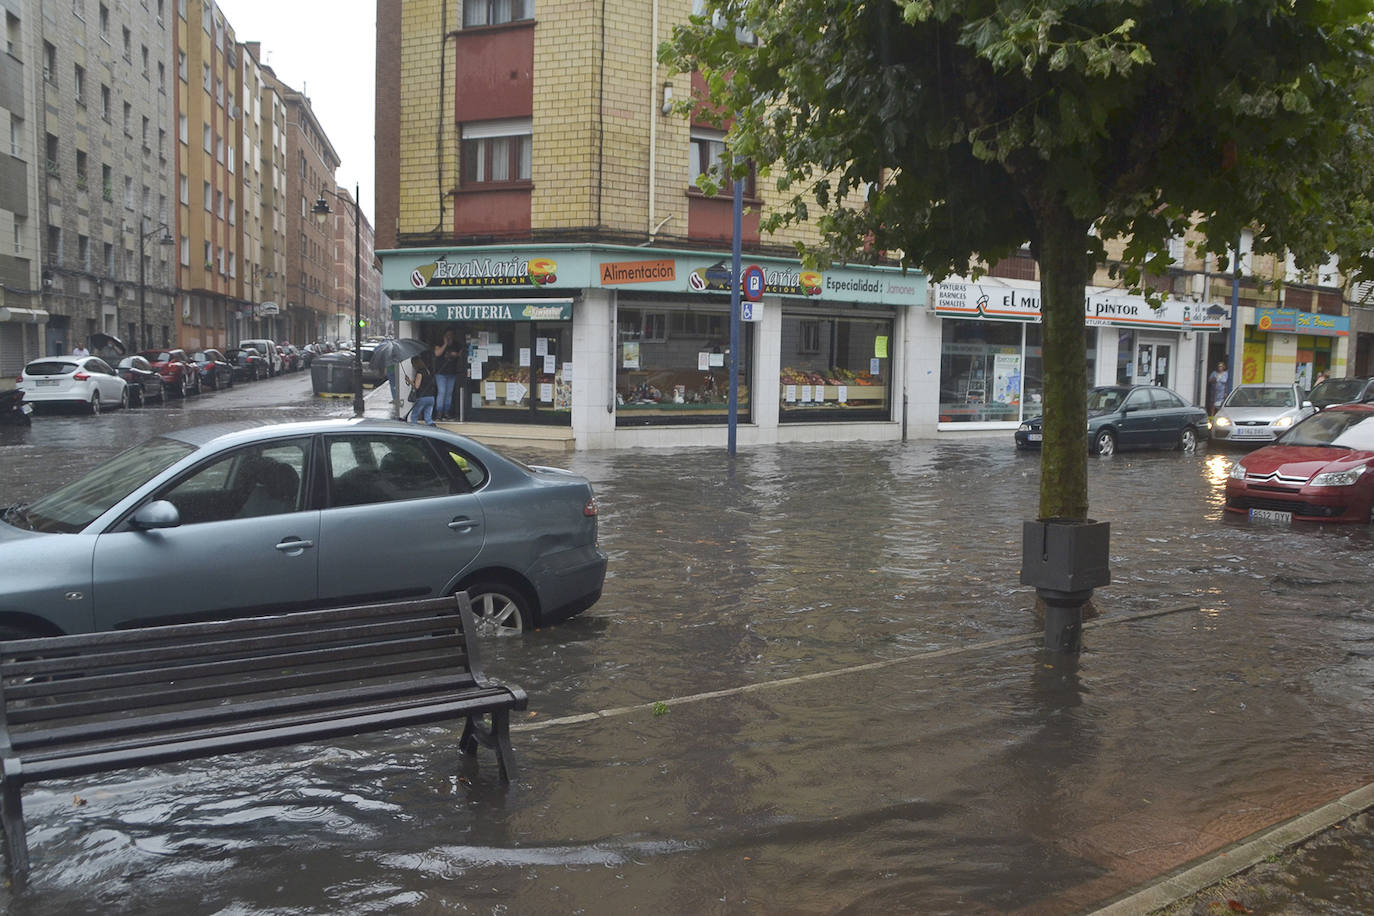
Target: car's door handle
{"type": "Point", "coordinates": [462, 523]}
{"type": "Point", "coordinates": [294, 544]}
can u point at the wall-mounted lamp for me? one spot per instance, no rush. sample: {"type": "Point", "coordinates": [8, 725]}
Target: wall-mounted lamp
{"type": "Point", "coordinates": [667, 98]}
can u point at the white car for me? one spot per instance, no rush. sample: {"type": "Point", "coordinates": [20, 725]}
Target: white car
{"type": "Point", "coordinates": [1259, 413]}
{"type": "Point", "coordinates": [87, 381]}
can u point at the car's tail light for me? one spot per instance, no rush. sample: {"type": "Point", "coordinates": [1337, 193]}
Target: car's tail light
{"type": "Point", "coordinates": [589, 509]}
{"type": "Point", "coordinates": [80, 376]}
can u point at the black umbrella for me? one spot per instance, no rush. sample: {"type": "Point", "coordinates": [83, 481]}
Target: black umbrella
{"type": "Point", "coordinates": [392, 350]}
{"type": "Point", "coordinates": [100, 341]}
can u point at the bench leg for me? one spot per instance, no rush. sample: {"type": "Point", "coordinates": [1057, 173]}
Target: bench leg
{"type": "Point", "coordinates": [497, 738]}
{"type": "Point", "coordinates": [16, 840]}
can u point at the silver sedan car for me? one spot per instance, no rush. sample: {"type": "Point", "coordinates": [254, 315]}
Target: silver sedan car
{"type": "Point", "coordinates": [244, 518]}
{"type": "Point", "coordinates": [1258, 413]}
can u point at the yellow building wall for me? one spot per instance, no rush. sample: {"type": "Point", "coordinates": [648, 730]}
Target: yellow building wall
{"type": "Point", "coordinates": [428, 163]}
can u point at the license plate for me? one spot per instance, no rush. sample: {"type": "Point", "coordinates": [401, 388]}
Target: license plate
{"type": "Point", "coordinates": [1250, 432]}
{"type": "Point", "coordinates": [26, 408]}
{"type": "Point", "coordinates": [1271, 515]}
{"type": "Point", "coordinates": [1034, 437]}
{"type": "Point", "coordinates": [48, 382]}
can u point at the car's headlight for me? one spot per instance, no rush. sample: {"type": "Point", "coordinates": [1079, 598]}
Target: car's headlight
{"type": "Point", "coordinates": [1345, 478]}
{"type": "Point", "coordinates": [1222, 421]}
{"type": "Point", "coordinates": [1237, 471]}
{"type": "Point", "coordinates": [1281, 422]}
{"type": "Point", "coordinates": [1023, 428]}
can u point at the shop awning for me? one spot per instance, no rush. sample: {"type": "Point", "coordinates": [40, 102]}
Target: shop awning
{"type": "Point", "coordinates": [481, 309]}
{"type": "Point", "coordinates": [28, 316]}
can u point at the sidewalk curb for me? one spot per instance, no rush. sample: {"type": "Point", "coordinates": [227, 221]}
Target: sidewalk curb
{"type": "Point", "coordinates": [1237, 858]}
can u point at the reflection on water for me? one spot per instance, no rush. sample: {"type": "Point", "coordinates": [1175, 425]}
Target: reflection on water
{"type": "Point", "coordinates": [976, 781]}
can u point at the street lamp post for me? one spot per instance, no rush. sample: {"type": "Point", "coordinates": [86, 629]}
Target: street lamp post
{"type": "Point", "coordinates": [138, 343]}
{"type": "Point", "coordinates": [322, 211]}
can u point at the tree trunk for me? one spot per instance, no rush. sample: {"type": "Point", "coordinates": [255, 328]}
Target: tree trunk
{"type": "Point", "coordinates": [1065, 268]}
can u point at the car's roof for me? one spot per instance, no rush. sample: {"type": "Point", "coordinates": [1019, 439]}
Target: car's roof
{"type": "Point", "coordinates": [235, 431]}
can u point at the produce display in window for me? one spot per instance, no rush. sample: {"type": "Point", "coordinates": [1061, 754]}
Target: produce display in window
{"type": "Point", "coordinates": [834, 367]}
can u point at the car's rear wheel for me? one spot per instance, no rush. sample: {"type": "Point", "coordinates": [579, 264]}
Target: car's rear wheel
{"type": "Point", "coordinates": [501, 610]}
{"type": "Point", "coordinates": [124, 399]}
{"type": "Point", "coordinates": [1187, 440]}
{"type": "Point", "coordinates": [94, 406]}
{"type": "Point", "coordinates": [1105, 443]}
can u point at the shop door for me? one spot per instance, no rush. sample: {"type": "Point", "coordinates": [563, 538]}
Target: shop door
{"type": "Point", "coordinates": [1153, 363]}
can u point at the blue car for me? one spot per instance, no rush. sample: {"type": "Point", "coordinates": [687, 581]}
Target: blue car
{"type": "Point", "coordinates": [245, 519]}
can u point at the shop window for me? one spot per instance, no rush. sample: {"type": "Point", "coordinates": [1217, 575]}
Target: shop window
{"type": "Point", "coordinates": [680, 376]}
{"type": "Point", "coordinates": [835, 369]}
{"type": "Point", "coordinates": [993, 371]}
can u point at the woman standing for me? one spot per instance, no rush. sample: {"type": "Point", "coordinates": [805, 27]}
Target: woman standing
{"type": "Point", "coordinates": [446, 361]}
{"type": "Point", "coordinates": [423, 384]}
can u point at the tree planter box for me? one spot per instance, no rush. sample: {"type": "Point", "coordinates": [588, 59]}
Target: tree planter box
{"type": "Point", "coordinates": [1065, 555]}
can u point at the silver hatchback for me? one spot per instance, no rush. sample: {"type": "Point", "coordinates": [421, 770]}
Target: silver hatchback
{"type": "Point", "coordinates": [1257, 414]}
{"type": "Point", "coordinates": [242, 519]}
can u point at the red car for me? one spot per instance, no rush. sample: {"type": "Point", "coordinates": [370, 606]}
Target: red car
{"type": "Point", "coordinates": [1318, 471]}
{"type": "Point", "coordinates": [179, 373]}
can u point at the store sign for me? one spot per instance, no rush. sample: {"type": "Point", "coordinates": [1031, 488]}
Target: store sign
{"type": "Point", "coordinates": [961, 298]}
{"type": "Point", "coordinates": [269, 308]}
{"type": "Point", "coordinates": [1292, 321]}
{"type": "Point", "coordinates": [617, 272]}
{"type": "Point", "coordinates": [484, 272]}
{"type": "Point", "coordinates": [558, 310]}
{"type": "Point", "coordinates": [778, 281]}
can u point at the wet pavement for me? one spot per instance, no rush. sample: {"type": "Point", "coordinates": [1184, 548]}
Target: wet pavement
{"type": "Point", "coordinates": [854, 714]}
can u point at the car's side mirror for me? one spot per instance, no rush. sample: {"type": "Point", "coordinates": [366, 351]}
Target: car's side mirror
{"type": "Point", "coordinates": [157, 514]}
{"type": "Point", "coordinates": [1306, 404]}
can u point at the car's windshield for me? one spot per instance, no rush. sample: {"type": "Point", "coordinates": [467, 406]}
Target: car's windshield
{"type": "Point", "coordinates": [1105, 400]}
{"type": "Point", "coordinates": [1340, 428]}
{"type": "Point", "coordinates": [1261, 397]}
{"type": "Point", "coordinates": [81, 502]}
{"type": "Point", "coordinates": [1337, 391]}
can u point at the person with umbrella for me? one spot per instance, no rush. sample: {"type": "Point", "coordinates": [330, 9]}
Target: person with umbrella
{"type": "Point", "coordinates": [388, 354]}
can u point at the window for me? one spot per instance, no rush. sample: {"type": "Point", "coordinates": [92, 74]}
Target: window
{"type": "Point", "coordinates": [376, 469]}
{"type": "Point", "coordinates": [55, 244]}
{"type": "Point", "coordinates": [106, 183]}
{"type": "Point", "coordinates": [209, 201]}
{"type": "Point", "coordinates": [50, 63]}
{"type": "Point", "coordinates": [81, 176]}
{"type": "Point", "coordinates": [182, 132]}
{"type": "Point", "coordinates": [207, 138]}
{"type": "Point", "coordinates": [708, 153]}
{"type": "Point", "coordinates": [79, 83]}
{"type": "Point", "coordinates": [495, 12]}
{"type": "Point", "coordinates": [677, 373]}
{"type": "Point", "coordinates": [104, 22]}
{"type": "Point", "coordinates": [13, 40]}
{"type": "Point", "coordinates": [16, 135]}
{"type": "Point", "coordinates": [83, 252]}
{"type": "Point", "coordinates": [219, 203]}
{"type": "Point", "coordinates": [496, 151]}
{"type": "Point", "coordinates": [831, 370]}
{"type": "Point", "coordinates": [144, 51]}
{"type": "Point", "coordinates": [144, 134]}
{"type": "Point", "coordinates": [109, 260]}
{"type": "Point", "coordinates": [128, 120]}
{"type": "Point", "coordinates": [248, 483]}
{"type": "Point", "coordinates": [185, 250]}
{"type": "Point", "coordinates": [51, 149]}
{"type": "Point", "coordinates": [205, 74]}
{"type": "Point", "coordinates": [105, 101]}
{"type": "Point", "coordinates": [129, 46]}
{"type": "Point", "coordinates": [128, 192]}
{"type": "Point", "coordinates": [161, 77]}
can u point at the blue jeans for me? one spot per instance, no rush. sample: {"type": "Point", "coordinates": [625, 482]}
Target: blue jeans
{"type": "Point", "coordinates": [423, 410]}
{"type": "Point", "coordinates": [443, 406]}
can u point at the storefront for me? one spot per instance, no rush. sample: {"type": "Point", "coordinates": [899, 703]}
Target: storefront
{"type": "Point", "coordinates": [1285, 345]}
{"type": "Point", "coordinates": [990, 346]}
{"type": "Point", "coordinates": [649, 333]}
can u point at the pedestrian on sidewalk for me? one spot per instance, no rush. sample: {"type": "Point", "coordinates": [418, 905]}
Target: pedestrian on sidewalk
{"type": "Point", "coordinates": [447, 356]}
{"type": "Point", "coordinates": [1218, 386]}
{"type": "Point", "coordinates": [425, 389]}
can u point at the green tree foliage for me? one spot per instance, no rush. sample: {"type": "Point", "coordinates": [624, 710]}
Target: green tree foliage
{"type": "Point", "coordinates": [951, 131]}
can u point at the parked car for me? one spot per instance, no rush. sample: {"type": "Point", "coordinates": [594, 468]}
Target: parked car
{"type": "Point", "coordinates": [395, 511]}
{"type": "Point", "coordinates": [1341, 391]}
{"type": "Point", "coordinates": [269, 351]}
{"type": "Point", "coordinates": [248, 364]}
{"type": "Point", "coordinates": [290, 357]}
{"type": "Point", "coordinates": [372, 375]}
{"type": "Point", "coordinates": [143, 381]}
{"type": "Point", "coordinates": [1258, 413]}
{"type": "Point", "coordinates": [1318, 471]}
{"type": "Point", "coordinates": [1124, 417]}
{"type": "Point", "coordinates": [215, 370]}
{"type": "Point", "coordinates": [179, 374]}
{"type": "Point", "coordinates": [84, 381]}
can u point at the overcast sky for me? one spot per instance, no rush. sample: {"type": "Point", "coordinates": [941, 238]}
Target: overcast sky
{"type": "Point", "coordinates": [326, 51]}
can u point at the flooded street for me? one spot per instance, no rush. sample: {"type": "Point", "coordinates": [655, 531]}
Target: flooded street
{"type": "Point", "coordinates": [886, 737]}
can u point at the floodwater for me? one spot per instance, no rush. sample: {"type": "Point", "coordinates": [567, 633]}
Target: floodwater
{"type": "Point", "coordinates": [888, 737]}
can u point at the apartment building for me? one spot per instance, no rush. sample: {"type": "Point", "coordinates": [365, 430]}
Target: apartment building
{"type": "Point", "coordinates": [536, 194]}
{"type": "Point", "coordinates": [309, 165]}
{"type": "Point", "coordinates": [86, 87]}
{"type": "Point", "coordinates": [264, 273]}
{"type": "Point", "coordinates": [343, 211]}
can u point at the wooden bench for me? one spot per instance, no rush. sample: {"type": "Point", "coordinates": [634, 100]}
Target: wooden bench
{"type": "Point", "coordinates": [92, 703]}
